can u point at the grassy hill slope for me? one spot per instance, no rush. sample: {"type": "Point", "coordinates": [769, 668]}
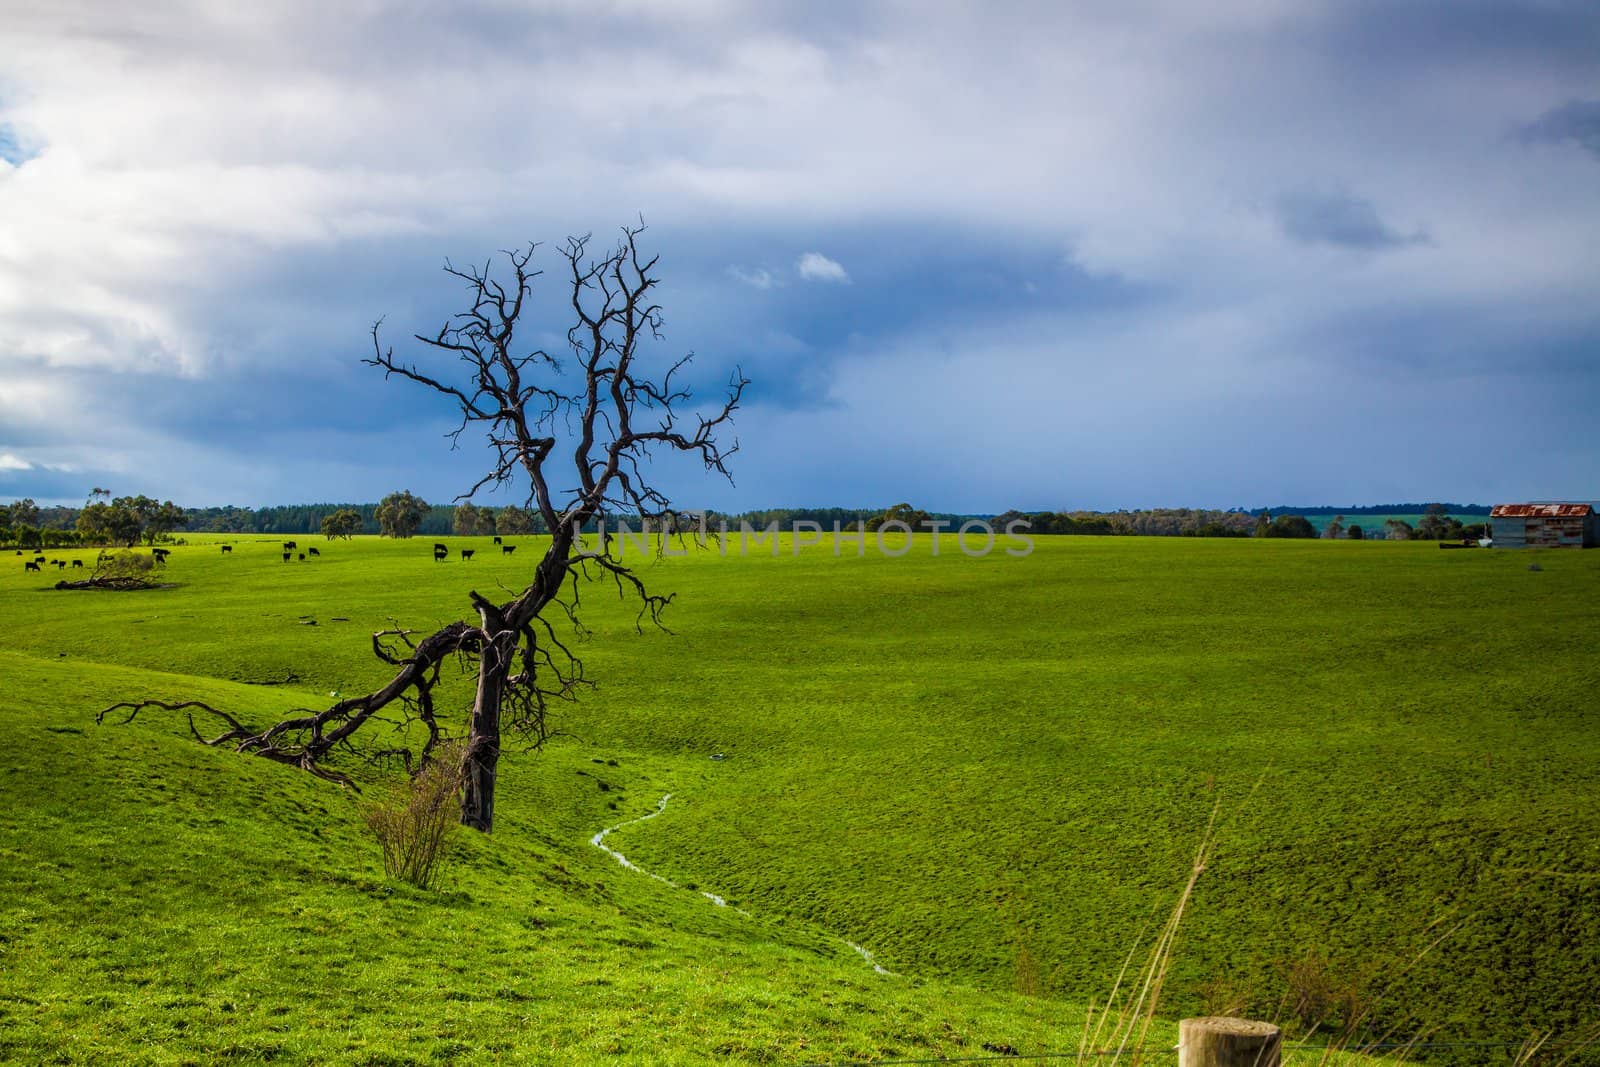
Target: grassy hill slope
{"type": "Point", "coordinates": [991, 773]}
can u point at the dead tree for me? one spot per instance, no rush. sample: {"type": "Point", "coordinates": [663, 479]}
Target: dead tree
{"type": "Point", "coordinates": [579, 433]}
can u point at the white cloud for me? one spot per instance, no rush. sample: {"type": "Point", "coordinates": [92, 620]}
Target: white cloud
{"type": "Point", "coordinates": [816, 267]}
{"type": "Point", "coordinates": [756, 278]}
{"type": "Point", "coordinates": [12, 462]}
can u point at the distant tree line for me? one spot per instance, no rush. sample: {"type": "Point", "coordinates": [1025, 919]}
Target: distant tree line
{"type": "Point", "coordinates": [1155, 522]}
{"type": "Point", "coordinates": [130, 520]}
{"type": "Point", "coordinates": [1435, 525]}
{"type": "Point", "coordinates": [103, 520]}
{"type": "Point", "coordinates": [1384, 509]}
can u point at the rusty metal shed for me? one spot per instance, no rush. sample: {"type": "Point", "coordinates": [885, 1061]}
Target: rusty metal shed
{"type": "Point", "coordinates": [1544, 526]}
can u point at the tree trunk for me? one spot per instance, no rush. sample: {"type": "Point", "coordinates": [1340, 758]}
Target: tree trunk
{"type": "Point", "coordinates": [483, 734]}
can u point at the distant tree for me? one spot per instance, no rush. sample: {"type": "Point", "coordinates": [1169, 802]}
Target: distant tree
{"type": "Point", "coordinates": [1263, 525]}
{"type": "Point", "coordinates": [109, 523]}
{"type": "Point", "coordinates": [513, 520]}
{"type": "Point", "coordinates": [159, 520]}
{"type": "Point", "coordinates": [1397, 530]}
{"type": "Point", "coordinates": [345, 523]}
{"type": "Point", "coordinates": [1221, 529]}
{"type": "Point", "coordinates": [25, 513]}
{"type": "Point", "coordinates": [1291, 526]}
{"type": "Point", "coordinates": [1355, 532]}
{"type": "Point", "coordinates": [399, 514]}
{"type": "Point", "coordinates": [1435, 523]}
{"type": "Point", "coordinates": [127, 520]}
{"type": "Point", "coordinates": [466, 519]}
{"type": "Point", "coordinates": [912, 517]}
{"type": "Point", "coordinates": [1335, 528]}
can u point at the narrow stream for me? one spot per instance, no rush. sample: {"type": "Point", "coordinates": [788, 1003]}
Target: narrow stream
{"type": "Point", "coordinates": [599, 842]}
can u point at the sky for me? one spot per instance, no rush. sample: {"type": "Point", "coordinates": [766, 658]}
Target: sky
{"type": "Point", "coordinates": [1097, 254]}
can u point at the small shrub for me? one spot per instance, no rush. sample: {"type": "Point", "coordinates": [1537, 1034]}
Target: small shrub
{"type": "Point", "coordinates": [1321, 995]}
{"type": "Point", "coordinates": [415, 825]}
{"type": "Point", "coordinates": [126, 566]}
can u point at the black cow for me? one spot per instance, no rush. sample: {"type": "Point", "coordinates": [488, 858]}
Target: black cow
{"type": "Point", "coordinates": [314, 552]}
{"type": "Point", "coordinates": [160, 554]}
{"type": "Point", "coordinates": [60, 564]}
{"type": "Point", "coordinates": [30, 565]}
{"type": "Point", "coordinates": [302, 557]}
{"type": "Point", "coordinates": [227, 549]}
{"type": "Point", "coordinates": [290, 544]}
{"type": "Point", "coordinates": [38, 559]}
{"type": "Point", "coordinates": [440, 552]}
{"type": "Point", "coordinates": [506, 550]}
{"type": "Point", "coordinates": [466, 553]}
{"type": "Point", "coordinates": [497, 541]}
{"type": "Point", "coordinates": [286, 556]}
{"type": "Point", "coordinates": [77, 563]}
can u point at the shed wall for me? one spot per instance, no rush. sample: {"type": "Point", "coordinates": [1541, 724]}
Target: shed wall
{"type": "Point", "coordinates": [1509, 532]}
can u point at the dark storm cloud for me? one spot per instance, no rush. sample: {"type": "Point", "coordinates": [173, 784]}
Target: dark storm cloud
{"type": "Point", "coordinates": [1340, 219]}
{"type": "Point", "coordinates": [1577, 121]}
{"type": "Point", "coordinates": [1492, 37]}
{"type": "Point", "coordinates": [1134, 229]}
{"type": "Point", "coordinates": [790, 336]}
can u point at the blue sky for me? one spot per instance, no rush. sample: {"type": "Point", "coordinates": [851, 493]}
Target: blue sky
{"type": "Point", "coordinates": [1039, 255]}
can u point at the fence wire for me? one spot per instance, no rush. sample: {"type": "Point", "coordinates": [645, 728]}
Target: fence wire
{"type": "Point", "coordinates": [1146, 1055]}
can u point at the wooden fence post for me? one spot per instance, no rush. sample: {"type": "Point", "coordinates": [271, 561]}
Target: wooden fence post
{"type": "Point", "coordinates": [1217, 1041]}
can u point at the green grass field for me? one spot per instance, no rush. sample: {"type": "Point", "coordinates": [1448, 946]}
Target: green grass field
{"type": "Point", "coordinates": [991, 773]}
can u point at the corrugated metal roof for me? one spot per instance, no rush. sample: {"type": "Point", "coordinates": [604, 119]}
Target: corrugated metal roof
{"type": "Point", "coordinates": [1543, 511]}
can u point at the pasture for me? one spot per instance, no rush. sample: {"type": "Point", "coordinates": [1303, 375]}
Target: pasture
{"type": "Point", "coordinates": [991, 773]}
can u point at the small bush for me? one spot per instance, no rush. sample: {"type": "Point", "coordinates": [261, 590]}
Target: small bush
{"type": "Point", "coordinates": [415, 825]}
{"type": "Point", "coordinates": [126, 566]}
{"type": "Point", "coordinates": [1321, 995]}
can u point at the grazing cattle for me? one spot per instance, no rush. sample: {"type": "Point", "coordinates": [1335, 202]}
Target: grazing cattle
{"type": "Point", "coordinates": [160, 554]}
{"type": "Point", "coordinates": [77, 563]}
{"type": "Point", "coordinates": [498, 541]}
{"type": "Point", "coordinates": [286, 556]}
{"type": "Point", "coordinates": [227, 549]}
{"type": "Point", "coordinates": [59, 564]}
{"type": "Point", "coordinates": [314, 552]}
{"type": "Point", "coordinates": [290, 544]}
{"type": "Point", "coordinates": [506, 550]}
{"type": "Point", "coordinates": [38, 559]}
{"type": "Point", "coordinates": [302, 557]}
{"type": "Point", "coordinates": [466, 553]}
{"type": "Point", "coordinates": [30, 565]}
{"type": "Point", "coordinates": [440, 552]}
